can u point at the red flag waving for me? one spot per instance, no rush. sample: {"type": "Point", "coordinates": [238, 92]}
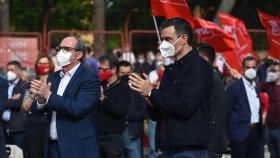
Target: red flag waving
{"type": "Point", "coordinates": [171, 9]}
{"type": "Point", "coordinates": [272, 26]}
{"type": "Point", "coordinates": [237, 29]}
{"type": "Point", "coordinates": [211, 33]}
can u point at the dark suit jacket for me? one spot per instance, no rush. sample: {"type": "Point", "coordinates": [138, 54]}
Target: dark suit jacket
{"type": "Point", "coordinates": [75, 120]}
{"type": "Point", "coordinates": [238, 112]}
{"type": "Point", "coordinates": [217, 131]}
{"type": "Point", "coordinates": [135, 115]}
{"type": "Point", "coordinates": [182, 104]}
{"type": "Point", "coordinates": [18, 118]}
{"type": "Point", "coordinates": [3, 102]}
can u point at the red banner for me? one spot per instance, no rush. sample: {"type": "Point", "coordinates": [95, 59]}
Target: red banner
{"type": "Point", "coordinates": [272, 26]}
{"type": "Point", "coordinates": [237, 29]}
{"type": "Point", "coordinates": [211, 33]}
{"type": "Point", "coordinates": [24, 50]}
{"type": "Point", "coordinates": [171, 9]}
{"type": "Point", "coordinates": [222, 42]}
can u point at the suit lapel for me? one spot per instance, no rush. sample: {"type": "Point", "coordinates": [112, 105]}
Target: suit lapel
{"type": "Point", "coordinates": [243, 90]}
{"type": "Point", "coordinates": [73, 79]}
{"type": "Point", "coordinates": [55, 82]}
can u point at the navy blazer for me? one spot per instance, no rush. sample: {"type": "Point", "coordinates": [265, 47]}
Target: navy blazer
{"type": "Point", "coordinates": [238, 112]}
{"type": "Point", "coordinates": [75, 120]}
{"type": "Point", "coordinates": [3, 102]}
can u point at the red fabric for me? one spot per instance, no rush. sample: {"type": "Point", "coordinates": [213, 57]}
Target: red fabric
{"type": "Point", "coordinates": [104, 75]}
{"type": "Point", "coordinates": [43, 69]}
{"type": "Point", "coordinates": [265, 101]}
{"type": "Point", "coordinates": [237, 29]}
{"type": "Point", "coordinates": [171, 9]}
{"type": "Point", "coordinates": [212, 34]}
{"type": "Point", "coordinates": [272, 26]}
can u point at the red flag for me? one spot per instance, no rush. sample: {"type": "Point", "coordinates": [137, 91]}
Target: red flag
{"type": "Point", "coordinates": [211, 33]}
{"type": "Point", "coordinates": [171, 9]}
{"type": "Point", "coordinates": [272, 26]}
{"type": "Point", "coordinates": [237, 29]}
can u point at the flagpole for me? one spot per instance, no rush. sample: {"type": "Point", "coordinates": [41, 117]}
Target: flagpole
{"type": "Point", "coordinates": [155, 22]}
{"type": "Point", "coordinates": [224, 60]}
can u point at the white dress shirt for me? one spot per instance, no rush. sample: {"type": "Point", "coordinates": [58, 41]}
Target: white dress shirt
{"type": "Point", "coordinates": [253, 99]}
{"type": "Point", "coordinates": [65, 78]}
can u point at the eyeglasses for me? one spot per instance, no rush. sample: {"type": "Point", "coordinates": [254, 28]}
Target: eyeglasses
{"type": "Point", "coordinates": [273, 70]}
{"type": "Point", "coordinates": [66, 49]}
{"type": "Point", "coordinates": [101, 69]}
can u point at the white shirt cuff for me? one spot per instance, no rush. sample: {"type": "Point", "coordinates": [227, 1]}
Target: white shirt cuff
{"type": "Point", "coordinates": [40, 106]}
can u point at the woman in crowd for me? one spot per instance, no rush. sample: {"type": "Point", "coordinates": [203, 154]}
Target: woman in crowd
{"type": "Point", "coordinates": [35, 127]}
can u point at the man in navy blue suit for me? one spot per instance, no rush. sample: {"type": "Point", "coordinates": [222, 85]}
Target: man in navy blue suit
{"type": "Point", "coordinates": [3, 102]}
{"type": "Point", "coordinates": [244, 114]}
{"type": "Point", "coordinates": [69, 97]}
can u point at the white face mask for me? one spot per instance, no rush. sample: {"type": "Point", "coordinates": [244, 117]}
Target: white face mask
{"type": "Point", "coordinates": [141, 61]}
{"type": "Point", "coordinates": [63, 58]}
{"type": "Point", "coordinates": [250, 74]}
{"type": "Point", "coordinates": [158, 63]}
{"type": "Point", "coordinates": [167, 49]}
{"type": "Point", "coordinates": [11, 76]}
{"type": "Point", "coordinates": [152, 57]}
{"type": "Point", "coordinates": [271, 77]}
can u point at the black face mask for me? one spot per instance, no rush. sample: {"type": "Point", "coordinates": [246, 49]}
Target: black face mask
{"type": "Point", "coordinates": [124, 78]}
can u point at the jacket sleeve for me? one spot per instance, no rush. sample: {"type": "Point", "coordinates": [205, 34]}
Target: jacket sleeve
{"type": "Point", "coordinates": [15, 104]}
{"type": "Point", "coordinates": [86, 97]}
{"type": "Point", "coordinates": [184, 103]}
{"type": "Point", "coordinates": [3, 95]}
{"type": "Point", "coordinates": [230, 100]}
{"type": "Point", "coordinates": [137, 107]}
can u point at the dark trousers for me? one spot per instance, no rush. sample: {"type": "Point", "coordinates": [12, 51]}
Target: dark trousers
{"type": "Point", "coordinates": [15, 138]}
{"type": "Point", "coordinates": [110, 145]}
{"type": "Point", "coordinates": [249, 148]}
{"type": "Point", "coordinates": [53, 150]}
{"type": "Point", "coordinates": [35, 136]}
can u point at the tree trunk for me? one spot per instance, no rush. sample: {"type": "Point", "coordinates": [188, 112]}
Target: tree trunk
{"type": "Point", "coordinates": [226, 6]}
{"type": "Point", "coordinates": [5, 15]}
{"type": "Point", "coordinates": [99, 25]}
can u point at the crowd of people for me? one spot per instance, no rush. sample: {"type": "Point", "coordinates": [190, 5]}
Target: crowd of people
{"type": "Point", "coordinates": [79, 107]}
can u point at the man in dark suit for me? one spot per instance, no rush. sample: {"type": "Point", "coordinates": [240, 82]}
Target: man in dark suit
{"type": "Point", "coordinates": [3, 102]}
{"type": "Point", "coordinates": [217, 109]}
{"type": "Point", "coordinates": [13, 116]}
{"type": "Point", "coordinates": [181, 103]}
{"type": "Point", "coordinates": [69, 97]}
{"type": "Point", "coordinates": [244, 113]}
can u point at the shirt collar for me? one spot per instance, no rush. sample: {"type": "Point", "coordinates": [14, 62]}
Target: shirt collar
{"type": "Point", "coordinates": [185, 59]}
{"type": "Point", "coordinates": [14, 82]}
{"type": "Point", "coordinates": [246, 82]}
{"type": "Point", "coordinates": [70, 72]}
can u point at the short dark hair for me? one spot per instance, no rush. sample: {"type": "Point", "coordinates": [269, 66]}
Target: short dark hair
{"type": "Point", "coordinates": [15, 63]}
{"type": "Point", "coordinates": [181, 26]}
{"type": "Point", "coordinates": [248, 58]}
{"type": "Point", "coordinates": [113, 61]}
{"type": "Point", "coordinates": [80, 46]}
{"type": "Point", "coordinates": [124, 64]}
{"type": "Point", "coordinates": [88, 50]}
{"type": "Point", "coordinates": [207, 50]}
{"type": "Point", "coordinates": [275, 63]}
